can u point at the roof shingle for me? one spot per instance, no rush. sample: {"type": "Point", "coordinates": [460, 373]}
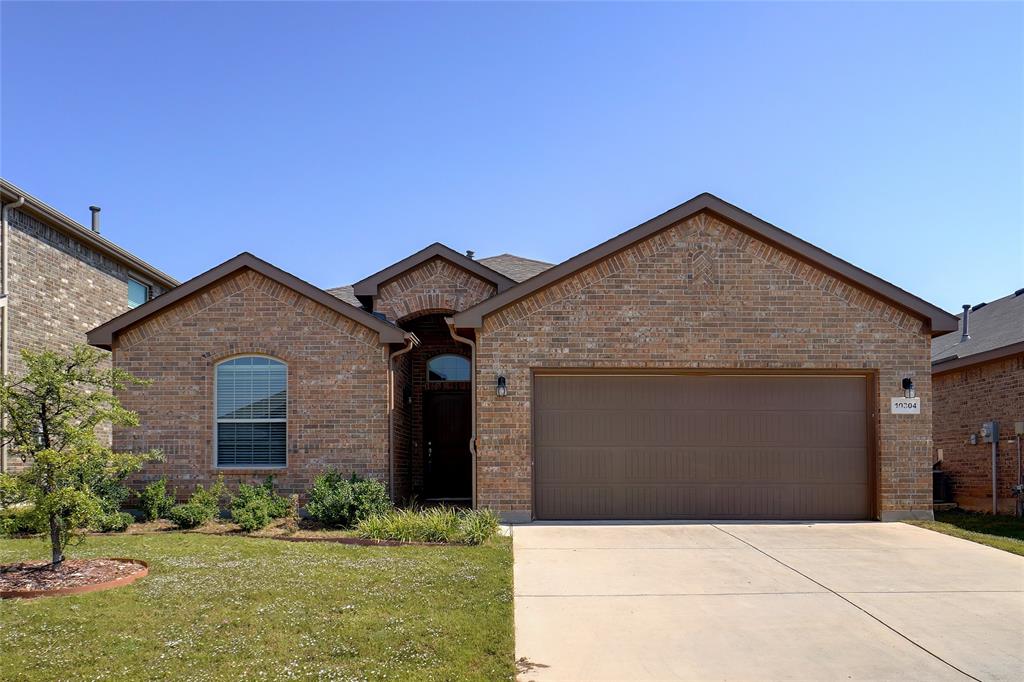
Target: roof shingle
{"type": "Point", "coordinates": [515, 267]}
{"type": "Point", "coordinates": [994, 325]}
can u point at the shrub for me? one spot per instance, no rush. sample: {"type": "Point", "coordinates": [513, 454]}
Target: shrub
{"type": "Point", "coordinates": [210, 499]}
{"type": "Point", "coordinates": [277, 506]}
{"type": "Point", "coordinates": [115, 522]}
{"type": "Point", "coordinates": [21, 520]}
{"type": "Point", "coordinates": [155, 501]}
{"type": "Point", "coordinates": [191, 514]}
{"type": "Point", "coordinates": [338, 501]}
{"type": "Point", "coordinates": [252, 516]}
{"type": "Point", "coordinates": [369, 498]}
{"type": "Point", "coordinates": [437, 524]}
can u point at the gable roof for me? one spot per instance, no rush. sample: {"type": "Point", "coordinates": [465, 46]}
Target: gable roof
{"type": "Point", "coordinates": [346, 294]}
{"type": "Point", "coordinates": [103, 336]}
{"type": "Point", "coordinates": [370, 285]}
{"type": "Point", "coordinates": [939, 320]}
{"type": "Point", "coordinates": [10, 192]}
{"type": "Point", "coordinates": [996, 330]}
{"type": "Point", "coordinates": [516, 267]}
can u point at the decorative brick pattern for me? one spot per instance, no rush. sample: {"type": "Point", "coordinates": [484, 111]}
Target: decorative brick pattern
{"type": "Point", "coordinates": [964, 399]}
{"type": "Point", "coordinates": [666, 303]}
{"type": "Point", "coordinates": [337, 383]}
{"type": "Point", "coordinates": [433, 287]}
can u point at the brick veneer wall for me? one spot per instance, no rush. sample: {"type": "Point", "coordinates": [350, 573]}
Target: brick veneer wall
{"type": "Point", "coordinates": [403, 428]}
{"type": "Point", "coordinates": [60, 288]}
{"type": "Point", "coordinates": [433, 286]}
{"type": "Point", "coordinates": [702, 294]}
{"type": "Point", "coordinates": [337, 383]}
{"type": "Point", "coordinates": [964, 399]}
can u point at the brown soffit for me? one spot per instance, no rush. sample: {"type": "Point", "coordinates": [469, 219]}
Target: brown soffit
{"type": "Point", "coordinates": [40, 209]}
{"type": "Point", "coordinates": [939, 320]}
{"type": "Point", "coordinates": [103, 336]}
{"type": "Point", "coordinates": [954, 363]}
{"type": "Point", "coordinates": [370, 285]}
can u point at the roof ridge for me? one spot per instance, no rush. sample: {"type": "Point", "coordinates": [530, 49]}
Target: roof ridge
{"type": "Point", "coordinates": [512, 255]}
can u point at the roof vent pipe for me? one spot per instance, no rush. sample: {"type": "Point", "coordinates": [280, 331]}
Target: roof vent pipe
{"type": "Point", "coordinates": [966, 336]}
{"type": "Point", "coordinates": [469, 254]}
{"type": "Point", "coordinates": [95, 218]}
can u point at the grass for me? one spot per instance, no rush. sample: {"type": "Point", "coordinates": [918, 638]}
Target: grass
{"type": "Point", "coordinates": [229, 608]}
{"type": "Point", "coordinates": [1002, 532]}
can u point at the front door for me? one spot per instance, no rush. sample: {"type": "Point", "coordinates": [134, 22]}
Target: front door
{"type": "Point", "coordinates": [446, 433]}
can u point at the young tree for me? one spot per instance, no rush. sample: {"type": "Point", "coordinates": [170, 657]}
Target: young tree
{"type": "Point", "coordinates": [52, 414]}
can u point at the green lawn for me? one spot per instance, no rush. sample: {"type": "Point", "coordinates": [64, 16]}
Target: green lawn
{"type": "Point", "coordinates": [230, 608]}
{"type": "Point", "coordinates": [1002, 532]}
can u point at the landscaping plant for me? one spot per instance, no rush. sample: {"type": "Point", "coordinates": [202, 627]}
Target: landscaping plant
{"type": "Point", "coordinates": [52, 412]}
{"type": "Point", "coordinates": [435, 524]}
{"type": "Point", "coordinates": [202, 507]}
{"type": "Point", "coordinates": [155, 502]}
{"type": "Point", "coordinates": [335, 500]}
{"type": "Point", "coordinates": [254, 506]}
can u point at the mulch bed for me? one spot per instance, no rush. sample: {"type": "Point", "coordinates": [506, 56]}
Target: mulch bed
{"type": "Point", "coordinates": [72, 576]}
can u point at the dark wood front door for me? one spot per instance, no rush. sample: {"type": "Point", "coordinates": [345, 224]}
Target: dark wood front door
{"type": "Point", "coordinates": [446, 433]}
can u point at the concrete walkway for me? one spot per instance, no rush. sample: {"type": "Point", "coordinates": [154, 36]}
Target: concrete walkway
{"type": "Point", "coordinates": [829, 601]}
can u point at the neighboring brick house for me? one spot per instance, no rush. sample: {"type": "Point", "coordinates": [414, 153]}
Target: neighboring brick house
{"type": "Point", "coordinates": [63, 278]}
{"type": "Point", "coordinates": [704, 364]}
{"type": "Point", "coordinates": [977, 377]}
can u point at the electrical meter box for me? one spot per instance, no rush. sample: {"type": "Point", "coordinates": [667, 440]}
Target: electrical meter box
{"type": "Point", "coordinates": [990, 432]}
{"type": "Point", "coordinates": [1018, 428]}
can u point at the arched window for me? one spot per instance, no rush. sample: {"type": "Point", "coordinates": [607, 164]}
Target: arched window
{"type": "Point", "coordinates": [252, 412]}
{"type": "Point", "coordinates": [448, 368]}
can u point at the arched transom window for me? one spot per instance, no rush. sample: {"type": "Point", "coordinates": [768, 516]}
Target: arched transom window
{"type": "Point", "coordinates": [252, 412]}
{"type": "Point", "coordinates": [448, 368]}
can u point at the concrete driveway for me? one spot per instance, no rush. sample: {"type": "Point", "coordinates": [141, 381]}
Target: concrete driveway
{"type": "Point", "coordinates": [826, 601]}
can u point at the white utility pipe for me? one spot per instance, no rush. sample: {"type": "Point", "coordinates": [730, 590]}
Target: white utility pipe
{"type": "Point", "coordinates": [4, 301]}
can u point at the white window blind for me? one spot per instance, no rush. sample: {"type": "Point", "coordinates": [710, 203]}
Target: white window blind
{"type": "Point", "coordinates": [252, 408]}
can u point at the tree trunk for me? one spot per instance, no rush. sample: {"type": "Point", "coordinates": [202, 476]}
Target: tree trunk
{"type": "Point", "coordinates": [56, 549]}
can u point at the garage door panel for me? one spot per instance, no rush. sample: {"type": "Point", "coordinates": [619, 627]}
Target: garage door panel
{"type": "Point", "coordinates": [564, 465]}
{"type": "Point", "coordinates": [685, 446]}
{"type": "Point", "coordinates": [690, 501]}
{"type": "Point", "coordinates": [700, 427]}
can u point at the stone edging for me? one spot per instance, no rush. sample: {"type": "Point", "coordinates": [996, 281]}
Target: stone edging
{"type": "Point", "coordinates": [81, 589]}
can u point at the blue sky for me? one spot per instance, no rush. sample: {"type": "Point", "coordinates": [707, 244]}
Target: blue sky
{"type": "Point", "coordinates": [334, 139]}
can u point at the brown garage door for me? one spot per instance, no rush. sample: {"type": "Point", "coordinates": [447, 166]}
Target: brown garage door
{"type": "Point", "coordinates": [701, 447]}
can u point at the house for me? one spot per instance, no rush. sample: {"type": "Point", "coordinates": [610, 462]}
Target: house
{"type": "Point", "coordinates": [704, 364]}
{"type": "Point", "coordinates": [60, 279]}
{"type": "Point", "coordinates": [978, 377]}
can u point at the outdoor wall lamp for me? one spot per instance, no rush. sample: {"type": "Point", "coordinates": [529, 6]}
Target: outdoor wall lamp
{"type": "Point", "coordinates": [908, 388]}
{"type": "Point", "coordinates": [502, 388]}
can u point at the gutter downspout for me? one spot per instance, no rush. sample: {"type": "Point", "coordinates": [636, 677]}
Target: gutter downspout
{"type": "Point", "coordinates": [410, 342]}
{"type": "Point", "coordinates": [472, 397]}
{"type": "Point", "coordinates": [4, 319]}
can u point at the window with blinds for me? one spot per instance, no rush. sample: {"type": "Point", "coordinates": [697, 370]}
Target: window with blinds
{"type": "Point", "coordinates": [252, 409]}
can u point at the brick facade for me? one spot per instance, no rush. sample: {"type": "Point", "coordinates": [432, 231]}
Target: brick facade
{"type": "Point", "coordinates": [434, 286]}
{"type": "Point", "coordinates": [337, 382]}
{"type": "Point", "coordinates": [702, 294]}
{"type": "Point", "coordinates": [60, 288]}
{"type": "Point", "coordinates": [965, 398]}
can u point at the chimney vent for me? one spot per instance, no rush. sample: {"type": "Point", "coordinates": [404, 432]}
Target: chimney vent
{"type": "Point", "coordinates": [469, 254]}
{"type": "Point", "coordinates": [966, 336]}
{"type": "Point", "coordinates": [95, 218]}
